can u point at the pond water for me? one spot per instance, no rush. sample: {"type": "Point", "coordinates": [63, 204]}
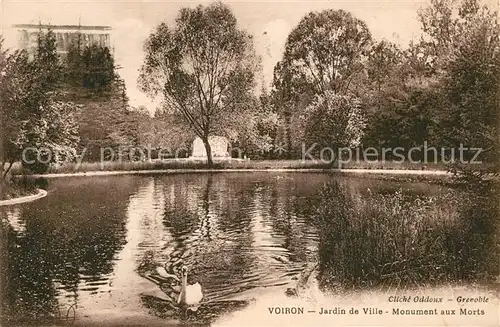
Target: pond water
{"type": "Point", "coordinates": [79, 251]}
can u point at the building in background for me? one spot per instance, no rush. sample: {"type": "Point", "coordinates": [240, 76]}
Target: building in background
{"type": "Point", "coordinates": [66, 35]}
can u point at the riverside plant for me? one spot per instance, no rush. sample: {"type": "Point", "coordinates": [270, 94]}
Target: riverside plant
{"type": "Point", "coordinates": [397, 241]}
{"type": "Point", "coordinates": [17, 187]}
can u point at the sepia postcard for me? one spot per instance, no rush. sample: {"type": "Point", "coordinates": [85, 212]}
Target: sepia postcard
{"type": "Point", "coordinates": [249, 163]}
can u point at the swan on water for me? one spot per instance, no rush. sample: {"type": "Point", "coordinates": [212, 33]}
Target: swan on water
{"type": "Point", "coordinates": [190, 294]}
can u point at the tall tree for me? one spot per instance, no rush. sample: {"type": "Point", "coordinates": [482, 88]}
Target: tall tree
{"type": "Point", "coordinates": [334, 121]}
{"type": "Point", "coordinates": [399, 99]}
{"type": "Point", "coordinates": [324, 52]}
{"type": "Point", "coordinates": [5, 119]}
{"type": "Point", "coordinates": [383, 66]}
{"type": "Point", "coordinates": [47, 64]}
{"type": "Point", "coordinates": [106, 120]}
{"type": "Point", "coordinates": [203, 67]}
{"type": "Point", "coordinates": [289, 91]}
{"type": "Point", "coordinates": [327, 49]}
{"type": "Point", "coordinates": [466, 36]}
{"type": "Point", "coordinates": [91, 67]}
{"type": "Point", "coordinates": [472, 81]}
{"type": "Point", "coordinates": [32, 117]}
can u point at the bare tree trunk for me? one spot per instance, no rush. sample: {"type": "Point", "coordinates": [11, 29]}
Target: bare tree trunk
{"type": "Point", "coordinates": [208, 149]}
{"type": "Point", "coordinates": [288, 133]}
{"type": "Point", "coordinates": [335, 161]}
{"type": "Point", "coordinates": [2, 157]}
{"type": "Point", "coordinates": [4, 174]}
{"type": "Point", "coordinates": [3, 263]}
{"type": "Point", "coordinates": [3, 188]}
{"type": "Point", "coordinates": [4, 182]}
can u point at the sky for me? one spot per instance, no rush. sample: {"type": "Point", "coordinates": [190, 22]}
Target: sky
{"type": "Point", "coordinates": [133, 21]}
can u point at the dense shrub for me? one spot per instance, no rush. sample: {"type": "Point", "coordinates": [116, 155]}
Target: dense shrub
{"type": "Point", "coordinates": [401, 241]}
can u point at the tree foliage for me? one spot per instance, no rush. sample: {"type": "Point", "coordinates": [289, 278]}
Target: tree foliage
{"type": "Point", "coordinates": [401, 100]}
{"type": "Point", "coordinates": [467, 35]}
{"type": "Point", "coordinates": [327, 49]}
{"type": "Point", "coordinates": [32, 117]}
{"type": "Point", "coordinates": [91, 67]}
{"type": "Point", "coordinates": [335, 121]}
{"type": "Point", "coordinates": [203, 67]}
{"type": "Point", "coordinates": [255, 133]}
{"type": "Point", "coordinates": [324, 53]}
{"type": "Point", "coordinates": [105, 121]}
{"type": "Point", "coordinates": [444, 88]}
{"type": "Point", "coordinates": [472, 78]}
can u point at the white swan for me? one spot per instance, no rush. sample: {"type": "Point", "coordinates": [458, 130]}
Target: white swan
{"type": "Point", "coordinates": [190, 294]}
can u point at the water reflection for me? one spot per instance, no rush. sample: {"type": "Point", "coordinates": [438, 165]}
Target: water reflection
{"type": "Point", "coordinates": [229, 231]}
{"type": "Point", "coordinates": [60, 248]}
{"type": "Point", "coordinates": [91, 241]}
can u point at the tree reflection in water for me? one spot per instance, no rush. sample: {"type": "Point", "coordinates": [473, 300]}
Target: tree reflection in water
{"type": "Point", "coordinates": [237, 232]}
{"type": "Point", "coordinates": [66, 240]}
{"type": "Point", "coordinates": [241, 235]}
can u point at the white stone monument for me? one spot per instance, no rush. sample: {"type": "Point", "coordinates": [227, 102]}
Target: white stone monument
{"type": "Point", "coordinates": [219, 145]}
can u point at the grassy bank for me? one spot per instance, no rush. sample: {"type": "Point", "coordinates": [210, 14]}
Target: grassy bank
{"type": "Point", "coordinates": [228, 164]}
{"type": "Point", "coordinates": [18, 187]}
{"type": "Point", "coordinates": [402, 241]}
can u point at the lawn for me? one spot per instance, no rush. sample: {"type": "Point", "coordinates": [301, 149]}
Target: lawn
{"type": "Point", "coordinates": [228, 164]}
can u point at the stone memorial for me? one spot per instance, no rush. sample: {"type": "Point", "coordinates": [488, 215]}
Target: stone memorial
{"type": "Point", "coordinates": [219, 145]}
